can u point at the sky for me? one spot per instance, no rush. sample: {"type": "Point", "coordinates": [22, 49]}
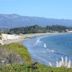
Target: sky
{"type": "Point", "coordinates": [59, 9]}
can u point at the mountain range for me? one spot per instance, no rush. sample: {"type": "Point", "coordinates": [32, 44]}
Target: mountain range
{"type": "Point", "coordinates": [15, 20]}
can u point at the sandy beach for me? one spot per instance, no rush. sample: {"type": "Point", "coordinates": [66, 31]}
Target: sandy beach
{"type": "Point", "coordinates": [25, 36]}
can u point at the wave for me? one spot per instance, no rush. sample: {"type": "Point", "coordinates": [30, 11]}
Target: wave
{"type": "Point", "coordinates": [38, 41]}
{"type": "Point", "coordinates": [45, 46]}
{"type": "Point", "coordinates": [51, 51]}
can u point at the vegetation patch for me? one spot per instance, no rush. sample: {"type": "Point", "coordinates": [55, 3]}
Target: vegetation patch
{"type": "Point", "coordinates": [17, 49]}
{"type": "Point", "coordinates": [25, 68]}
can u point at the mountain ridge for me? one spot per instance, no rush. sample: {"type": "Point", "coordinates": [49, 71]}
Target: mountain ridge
{"type": "Point", "coordinates": [15, 20]}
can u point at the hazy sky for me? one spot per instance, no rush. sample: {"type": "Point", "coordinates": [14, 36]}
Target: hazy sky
{"type": "Point", "coordinates": [61, 9]}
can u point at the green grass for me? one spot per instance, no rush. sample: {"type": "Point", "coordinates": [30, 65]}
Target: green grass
{"type": "Point", "coordinates": [43, 68]}
{"type": "Point", "coordinates": [24, 68]}
{"type": "Point", "coordinates": [20, 50]}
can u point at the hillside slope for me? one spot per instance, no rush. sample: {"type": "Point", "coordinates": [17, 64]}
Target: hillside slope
{"type": "Point", "coordinates": [14, 20]}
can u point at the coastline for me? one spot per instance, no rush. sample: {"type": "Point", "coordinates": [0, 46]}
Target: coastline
{"type": "Point", "coordinates": [40, 34]}
{"type": "Point", "coordinates": [26, 36]}
{"type": "Point", "coordinates": [29, 36]}
{"type": "Point", "coordinates": [31, 47]}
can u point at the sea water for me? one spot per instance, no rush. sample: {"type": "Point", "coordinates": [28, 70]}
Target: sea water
{"type": "Point", "coordinates": [54, 50]}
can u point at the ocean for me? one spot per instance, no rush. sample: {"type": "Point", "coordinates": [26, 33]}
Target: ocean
{"type": "Point", "coordinates": [52, 50]}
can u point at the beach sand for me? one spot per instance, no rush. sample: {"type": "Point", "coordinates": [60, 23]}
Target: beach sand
{"type": "Point", "coordinates": [25, 36]}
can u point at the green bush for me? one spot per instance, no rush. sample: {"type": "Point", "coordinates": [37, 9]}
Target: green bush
{"type": "Point", "coordinates": [24, 68]}
{"type": "Point", "coordinates": [18, 49]}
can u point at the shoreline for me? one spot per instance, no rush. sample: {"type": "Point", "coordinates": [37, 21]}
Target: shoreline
{"type": "Point", "coordinates": [29, 36]}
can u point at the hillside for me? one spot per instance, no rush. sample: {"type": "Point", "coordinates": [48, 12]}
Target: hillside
{"type": "Point", "coordinates": [14, 53]}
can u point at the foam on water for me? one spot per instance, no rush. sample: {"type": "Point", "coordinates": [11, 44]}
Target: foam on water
{"type": "Point", "coordinates": [49, 50]}
{"type": "Point", "coordinates": [37, 41]}
{"type": "Point", "coordinates": [45, 46]}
